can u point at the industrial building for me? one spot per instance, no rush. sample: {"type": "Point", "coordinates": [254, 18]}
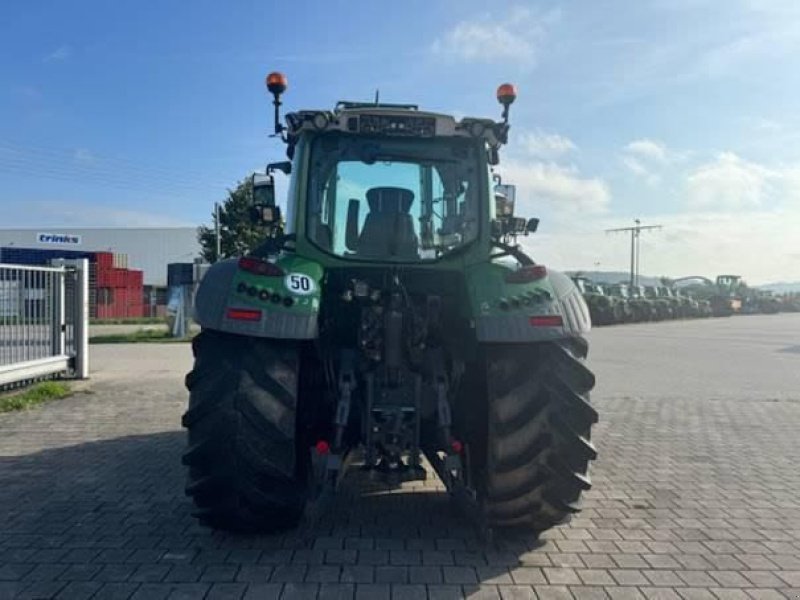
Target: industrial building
{"type": "Point", "coordinates": [128, 266]}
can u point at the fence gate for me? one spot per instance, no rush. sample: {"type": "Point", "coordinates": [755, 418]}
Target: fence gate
{"type": "Point", "coordinates": [44, 321]}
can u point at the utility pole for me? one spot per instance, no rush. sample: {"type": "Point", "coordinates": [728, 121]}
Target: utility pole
{"type": "Point", "coordinates": [216, 229]}
{"type": "Point", "coordinates": [636, 231]}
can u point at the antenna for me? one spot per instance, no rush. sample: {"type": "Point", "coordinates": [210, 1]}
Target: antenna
{"type": "Point", "coordinates": [377, 96]}
{"type": "Point", "coordinates": [636, 230]}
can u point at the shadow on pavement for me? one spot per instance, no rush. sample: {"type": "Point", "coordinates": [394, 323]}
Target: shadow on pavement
{"type": "Point", "coordinates": [70, 513]}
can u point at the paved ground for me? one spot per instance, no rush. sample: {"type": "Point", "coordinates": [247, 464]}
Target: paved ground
{"type": "Point", "coordinates": [697, 491]}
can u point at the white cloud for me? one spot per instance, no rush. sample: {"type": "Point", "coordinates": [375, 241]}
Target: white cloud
{"type": "Point", "coordinates": [647, 158]}
{"type": "Point", "coordinates": [516, 38]}
{"type": "Point", "coordinates": [545, 145]}
{"type": "Point", "coordinates": [729, 182]}
{"type": "Point", "coordinates": [562, 187]}
{"type": "Point", "coordinates": [648, 149]}
{"type": "Point", "coordinates": [60, 54]}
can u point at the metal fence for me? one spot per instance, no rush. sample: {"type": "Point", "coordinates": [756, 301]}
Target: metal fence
{"type": "Point", "coordinates": [44, 321]}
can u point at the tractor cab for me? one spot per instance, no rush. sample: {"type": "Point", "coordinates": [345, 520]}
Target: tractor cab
{"type": "Point", "coordinates": [389, 183]}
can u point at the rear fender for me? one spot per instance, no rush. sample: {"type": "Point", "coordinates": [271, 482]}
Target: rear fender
{"type": "Point", "coordinates": [284, 306]}
{"type": "Point", "coordinates": [525, 312]}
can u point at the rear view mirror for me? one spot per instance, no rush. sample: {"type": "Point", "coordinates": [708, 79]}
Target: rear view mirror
{"type": "Point", "coordinates": [532, 225]}
{"type": "Point", "coordinates": [263, 209]}
{"type": "Point", "coordinates": [263, 189]}
{"type": "Point", "coordinates": [265, 215]}
{"type": "Point", "coordinates": [351, 228]}
{"type": "Point", "coordinates": [505, 198]}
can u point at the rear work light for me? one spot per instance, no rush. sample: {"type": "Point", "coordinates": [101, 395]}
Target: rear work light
{"type": "Point", "coordinates": [526, 274]}
{"type": "Point", "coordinates": [244, 314]}
{"type": "Point", "coordinates": [257, 266]}
{"type": "Point", "coordinates": [546, 321]}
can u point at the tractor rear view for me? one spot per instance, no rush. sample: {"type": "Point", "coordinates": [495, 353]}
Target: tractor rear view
{"type": "Point", "coordinates": [390, 315]}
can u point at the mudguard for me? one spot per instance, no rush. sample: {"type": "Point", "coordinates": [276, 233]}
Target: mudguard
{"type": "Point", "coordinates": [548, 308]}
{"type": "Point", "coordinates": [283, 305]}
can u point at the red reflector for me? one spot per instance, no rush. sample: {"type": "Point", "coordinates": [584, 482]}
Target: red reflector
{"type": "Point", "coordinates": [527, 274]}
{"type": "Point", "coordinates": [244, 314]}
{"type": "Point", "coordinates": [546, 321]}
{"type": "Point", "coordinates": [260, 267]}
{"type": "Point", "coordinates": [456, 446]}
{"type": "Point", "coordinates": [322, 447]}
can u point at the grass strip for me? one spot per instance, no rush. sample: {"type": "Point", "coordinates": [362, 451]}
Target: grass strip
{"type": "Point", "coordinates": [36, 394]}
{"type": "Point", "coordinates": [135, 337]}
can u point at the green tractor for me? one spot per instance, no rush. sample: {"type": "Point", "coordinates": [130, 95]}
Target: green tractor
{"type": "Point", "coordinates": [767, 302]}
{"type": "Point", "coordinates": [673, 301]}
{"type": "Point", "coordinates": [389, 315]}
{"type": "Point", "coordinates": [624, 310]}
{"type": "Point", "coordinates": [663, 307]}
{"type": "Point", "coordinates": [644, 309]}
{"type": "Point", "coordinates": [726, 298]}
{"type": "Point", "coordinates": [604, 310]}
{"type": "Point", "coordinates": [689, 307]}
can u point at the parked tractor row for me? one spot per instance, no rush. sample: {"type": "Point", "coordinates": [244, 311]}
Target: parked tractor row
{"type": "Point", "coordinates": [611, 304]}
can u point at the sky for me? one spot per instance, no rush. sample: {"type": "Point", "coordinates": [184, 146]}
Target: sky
{"type": "Point", "coordinates": [682, 113]}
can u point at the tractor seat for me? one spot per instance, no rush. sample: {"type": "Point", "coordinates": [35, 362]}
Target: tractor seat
{"type": "Point", "coordinates": [388, 229]}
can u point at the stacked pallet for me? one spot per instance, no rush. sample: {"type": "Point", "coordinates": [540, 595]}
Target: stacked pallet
{"type": "Point", "coordinates": [120, 292]}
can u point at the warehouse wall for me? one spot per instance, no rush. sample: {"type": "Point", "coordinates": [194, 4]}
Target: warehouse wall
{"type": "Point", "coordinates": [148, 249]}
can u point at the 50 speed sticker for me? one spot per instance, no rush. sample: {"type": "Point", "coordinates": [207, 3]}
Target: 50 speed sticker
{"type": "Point", "coordinates": [300, 284]}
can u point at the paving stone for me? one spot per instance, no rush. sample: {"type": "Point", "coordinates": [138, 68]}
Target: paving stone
{"type": "Point", "coordinates": [289, 574]}
{"type": "Point", "coordinates": [765, 594]}
{"type": "Point", "coordinates": [494, 576]}
{"type": "Point", "coordinates": [338, 591]}
{"type": "Point", "coordinates": [183, 573]}
{"type": "Point", "coordinates": [226, 591]}
{"type": "Point", "coordinates": [588, 593]}
{"type": "Point", "coordinates": [373, 591]}
{"type": "Point", "coordinates": [115, 591]}
{"type": "Point", "coordinates": [594, 577]}
{"type": "Point", "coordinates": [559, 576]}
{"type": "Point", "coordinates": [628, 577]}
{"type": "Point", "coordinates": [696, 594]}
{"type": "Point", "coordinates": [357, 574]}
{"type": "Point", "coordinates": [660, 593]}
{"type": "Point", "coordinates": [263, 591]}
{"type": "Point", "coordinates": [425, 575]}
{"type": "Point", "coordinates": [115, 572]}
{"type": "Point", "coordinates": [459, 575]}
{"type": "Point", "coordinates": [663, 578]}
{"type": "Point", "coordinates": [145, 573]}
{"type": "Point", "coordinates": [254, 573]}
{"type": "Point", "coordinates": [517, 592]}
{"type": "Point", "coordinates": [623, 593]}
{"type": "Point", "coordinates": [323, 574]}
{"type": "Point", "coordinates": [552, 592]}
{"type": "Point", "coordinates": [41, 589]}
{"type": "Point", "coordinates": [300, 591]}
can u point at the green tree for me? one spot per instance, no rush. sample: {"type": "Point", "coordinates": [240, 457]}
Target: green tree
{"type": "Point", "coordinates": [238, 233]}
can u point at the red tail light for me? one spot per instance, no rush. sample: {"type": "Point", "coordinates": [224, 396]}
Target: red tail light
{"type": "Point", "coordinates": [257, 266]}
{"type": "Point", "coordinates": [322, 447]}
{"type": "Point", "coordinates": [244, 314]}
{"type": "Point", "coordinates": [546, 321]}
{"type": "Point", "coordinates": [526, 274]}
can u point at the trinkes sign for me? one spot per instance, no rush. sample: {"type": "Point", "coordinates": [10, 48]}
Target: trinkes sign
{"type": "Point", "coordinates": [58, 238]}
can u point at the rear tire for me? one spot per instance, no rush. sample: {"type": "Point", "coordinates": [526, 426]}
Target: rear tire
{"type": "Point", "coordinates": [538, 446]}
{"type": "Point", "coordinates": [243, 473]}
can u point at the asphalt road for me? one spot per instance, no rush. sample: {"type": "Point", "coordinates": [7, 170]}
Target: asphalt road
{"type": "Point", "coordinates": [696, 492]}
